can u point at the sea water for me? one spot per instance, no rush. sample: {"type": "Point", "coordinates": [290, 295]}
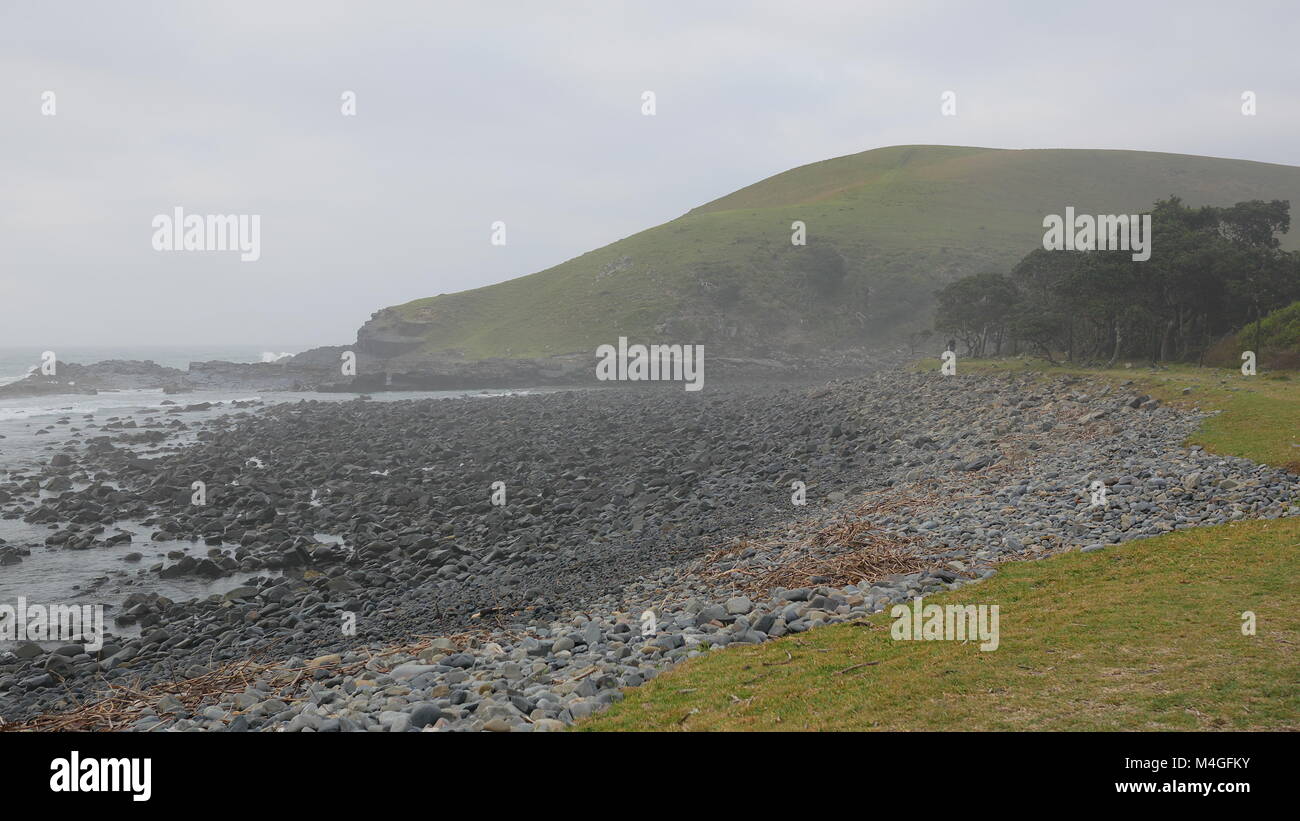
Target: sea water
{"type": "Point", "coordinates": [35, 428]}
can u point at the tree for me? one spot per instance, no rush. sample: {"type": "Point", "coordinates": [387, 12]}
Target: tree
{"type": "Point", "coordinates": [976, 308]}
{"type": "Point", "coordinates": [1211, 271]}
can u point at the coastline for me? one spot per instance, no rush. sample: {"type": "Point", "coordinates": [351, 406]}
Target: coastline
{"type": "Point", "coordinates": [674, 502]}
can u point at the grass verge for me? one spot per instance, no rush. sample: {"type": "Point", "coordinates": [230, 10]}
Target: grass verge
{"type": "Point", "coordinates": [1144, 636]}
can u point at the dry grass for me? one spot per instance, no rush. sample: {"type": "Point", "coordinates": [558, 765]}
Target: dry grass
{"type": "Point", "coordinates": [128, 702]}
{"type": "Point", "coordinates": [850, 549]}
{"type": "Point", "coordinates": [873, 555]}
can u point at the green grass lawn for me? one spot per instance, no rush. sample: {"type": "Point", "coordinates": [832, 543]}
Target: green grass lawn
{"type": "Point", "coordinates": [1144, 636]}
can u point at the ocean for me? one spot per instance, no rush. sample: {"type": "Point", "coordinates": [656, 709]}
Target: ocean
{"type": "Point", "coordinates": [32, 429]}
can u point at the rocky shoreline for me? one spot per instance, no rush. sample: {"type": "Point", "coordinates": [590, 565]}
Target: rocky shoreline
{"type": "Point", "coordinates": [529, 615]}
{"type": "Point", "coordinates": [320, 370]}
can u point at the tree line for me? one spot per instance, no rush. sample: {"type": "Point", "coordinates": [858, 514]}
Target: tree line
{"type": "Point", "coordinates": [1212, 271]}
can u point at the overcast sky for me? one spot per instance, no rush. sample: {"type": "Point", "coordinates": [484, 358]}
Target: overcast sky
{"type": "Point", "coordinates": [528, 113]}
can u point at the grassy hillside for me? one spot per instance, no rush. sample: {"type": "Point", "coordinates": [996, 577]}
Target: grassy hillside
{"type": "Point", "coordinates": [885, 229]}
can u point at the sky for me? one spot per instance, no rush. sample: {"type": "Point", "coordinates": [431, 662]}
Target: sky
{"type": "Point", "coordinates": [529, 114]}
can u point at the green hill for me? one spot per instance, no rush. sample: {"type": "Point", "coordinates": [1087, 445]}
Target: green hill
{"type": "Point", "coordinates": [885, 228]}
